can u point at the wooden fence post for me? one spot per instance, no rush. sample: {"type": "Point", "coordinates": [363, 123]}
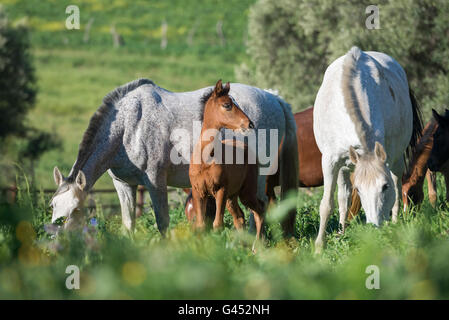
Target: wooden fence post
{"type": "Point", "coordinates": [220, 33]}
{"type": "Point", "coordinates": [164, 40]}
{"type": "Point", "coordinates": [11, 194]}
{"type": "Point", "coordinates": [87, 31]}
{"type": "Point", "coordinates": [140, 200]}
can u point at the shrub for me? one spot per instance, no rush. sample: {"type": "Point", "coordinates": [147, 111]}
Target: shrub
{"type": "Point", "coordinates": [291, 43]}
{"type": "Point", "coordinates": [17, 80]}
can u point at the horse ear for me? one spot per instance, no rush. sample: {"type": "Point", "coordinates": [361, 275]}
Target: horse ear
{"type": "Point", "coordinates": [226, 89]}
{"type": "Point", "coordinates": [218, 88]}
{"type": "Point", "coordinates": [57, 176]}
{"type": "Point", "coordinates": [379, 151]}
{"type": "Point", "coordinates": [80, 180]}
{"type": "Point", "coordinates": [437, 117]}
{"type": "Point", "coordinates": [353, 155]}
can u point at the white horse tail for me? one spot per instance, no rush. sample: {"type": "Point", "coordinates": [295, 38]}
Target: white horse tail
{"type": "Point", "coordinates": [351, 100]}
{"type": "Point", "coordinates": [289, 165]}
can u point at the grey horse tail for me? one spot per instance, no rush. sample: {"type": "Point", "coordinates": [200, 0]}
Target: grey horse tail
{"type": "Point", "coordinates": [417, 128]}
{"type": "Point", "coordinates": [289, 165]}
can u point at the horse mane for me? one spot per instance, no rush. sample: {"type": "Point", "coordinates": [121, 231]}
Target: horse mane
{"type": "Point", "coordinates": [350, 98]}
{"type": "Point", "coordinates": [97, 120]}
{"type": "Point", "coordinates": [206, 96]}
{"type": "Point", "coordinates": [417, 131]}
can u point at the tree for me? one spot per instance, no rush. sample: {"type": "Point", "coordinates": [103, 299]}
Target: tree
{"type": "Point", "coordinates": [291, 43]}
{"type": "Point", "coordinates": [17, 81]}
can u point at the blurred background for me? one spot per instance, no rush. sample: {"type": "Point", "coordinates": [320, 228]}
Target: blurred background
{"type": "Point", "coordinates": [58, 77]}
{"type": "Point", "coordinates": [53, 79]}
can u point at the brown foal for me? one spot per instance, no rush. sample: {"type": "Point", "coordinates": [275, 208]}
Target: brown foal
{"type": "Point", "coordinates": [310, 171]}
{"type": "Point", "coordinates": [211, 176]}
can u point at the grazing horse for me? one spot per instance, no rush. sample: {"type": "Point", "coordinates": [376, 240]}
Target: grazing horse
{"type": "Point", "coordinates": [413, 178]}
{"type": "Point", "coordinates": [439, 156]}
{"type": "Point", "coordinates": [211, 175]}
{"type": "Point", "coordinates": [310, 173]}
{"type": "Point", "coordinates": [365, 117]}
{"type": "Point", "coordinates": [142, 135]}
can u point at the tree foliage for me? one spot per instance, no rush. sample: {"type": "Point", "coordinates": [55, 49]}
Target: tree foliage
{"type": "Point", "coordinates": [291, 43]}
{"type": "Point", "coordinates": [17, 82]}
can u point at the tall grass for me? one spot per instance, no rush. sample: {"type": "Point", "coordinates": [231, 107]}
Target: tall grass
{"type": "Point", "coordinates": [411, 256]}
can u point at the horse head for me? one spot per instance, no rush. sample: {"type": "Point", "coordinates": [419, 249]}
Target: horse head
{"type": "Point", "coordinates": [222, 111]}
{"type": "Point", "coordinates": [68, 199]}
{"type": "Point", "coordinates": [374, 184]}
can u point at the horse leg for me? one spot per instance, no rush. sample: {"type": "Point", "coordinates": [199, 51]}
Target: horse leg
{"type": "Point", "coordinates": [396, 174]}
{"type": "Point", "coordinates": [199, 208]}
{"type": "Point", "coordinates": [157, 186]}
{"type": "Point", "coordinates": [261, 187]}
{"type": "Point", "coordinates": [355, 202]}
{"type": "Point", "coordinates": [127, 196]}
{"type": "Point", "coordinates": [330, 171]}
{"type": "Point", "coordinates": [432, 187]}
{"type": "Point", "coordinates": [446, 181]}
{"type": "Point", "coordinates": [234, 209]}
{"type": "Point", "coordinates": [220, 202]}
{"type": "Point", "coordinates": [344, 191]}
{"type": "Point", "coordinates": [257, 208]}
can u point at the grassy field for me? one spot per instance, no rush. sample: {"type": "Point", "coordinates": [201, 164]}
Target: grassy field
{"type": "Point", "coordinates": [411, 256]}
{"type": "Point", "coordinates": [73, 76]}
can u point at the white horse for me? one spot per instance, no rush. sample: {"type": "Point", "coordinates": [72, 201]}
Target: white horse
{"type": "Point", "coordinates": [365, 116]}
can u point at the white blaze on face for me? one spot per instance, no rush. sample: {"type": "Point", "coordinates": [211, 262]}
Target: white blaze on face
{"type": "Point", "coordinates": [377, 197]}
{"type": "Point", "coordinates": [64, 204]}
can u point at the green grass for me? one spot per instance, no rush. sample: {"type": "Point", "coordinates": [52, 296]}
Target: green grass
{"type": "Point", "coordinates": [411, 256]}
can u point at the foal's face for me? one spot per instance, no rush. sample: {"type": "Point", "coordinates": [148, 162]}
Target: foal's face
{"type": "Point", "coordinates": [69, 197]}
{"type": "Point", "coordinates": [374, 184]}
{"type": "Point", "coordinates": [440, 150]}
{"type": "Point", "coordinates": [222, 110]}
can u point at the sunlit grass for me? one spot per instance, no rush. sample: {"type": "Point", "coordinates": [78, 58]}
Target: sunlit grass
{"type": "Point", "coordinates": [411, 256]}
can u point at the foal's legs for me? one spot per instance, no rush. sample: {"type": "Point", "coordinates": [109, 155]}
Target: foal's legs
{"type": "Point", "coordinates": [199, 208]}
{"type": "Point", "coordinates": [234, 209]}
{"type": "Point", "coordinates": [432, 187]}
{"type": "Point", "coordinates": [220, 202]}
{"type": "Point", "coordinates": [330, 171]}
{"type": "Point", "coordinates": [127, 196]}
{"type": "Point", "coordinates": [257, 208]}
{"type": "Point", "coordinates": [344, 192]}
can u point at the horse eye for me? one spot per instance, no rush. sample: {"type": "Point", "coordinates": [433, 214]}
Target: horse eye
{"type": "Point", "coordinates": [227, 106]}
{"type": "Point", "coordinates": [385, 187]}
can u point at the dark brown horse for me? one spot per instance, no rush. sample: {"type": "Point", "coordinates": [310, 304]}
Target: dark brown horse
{"type": "Point", "coordinates": [310, 171]}
{"type": "Point", "coordinates": [439, 156]}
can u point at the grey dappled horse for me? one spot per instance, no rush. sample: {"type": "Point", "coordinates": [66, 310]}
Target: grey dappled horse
{"type": "Point", "coordinates": [141, 127]}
